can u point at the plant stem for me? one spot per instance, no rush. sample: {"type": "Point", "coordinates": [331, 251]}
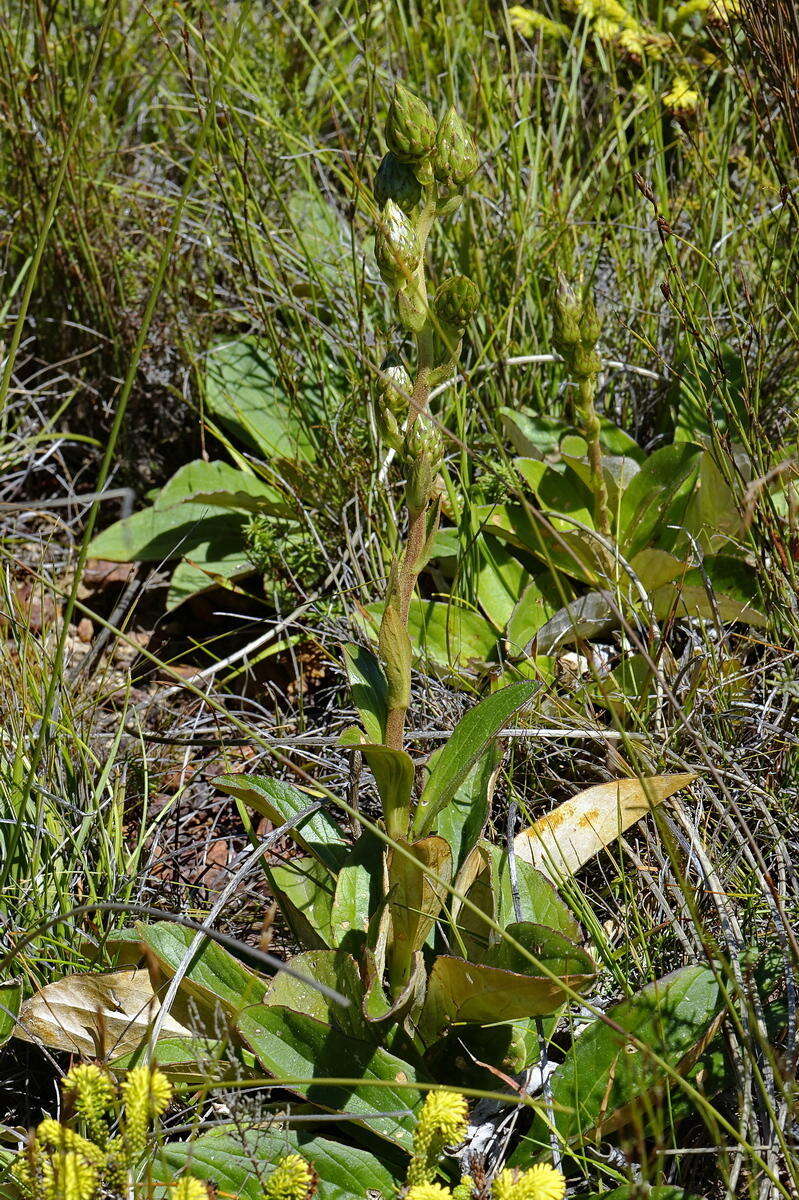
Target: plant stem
{"type": "Point", "coordinates": [592, 429]}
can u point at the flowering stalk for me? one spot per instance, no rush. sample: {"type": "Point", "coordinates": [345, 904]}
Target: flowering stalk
{"type": "Point", "coordinates": [421, 179]}
{"type": "Point", "coordinates": [576, 330]}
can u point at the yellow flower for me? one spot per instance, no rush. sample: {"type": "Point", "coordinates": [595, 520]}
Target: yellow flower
{"type": "Point", "coordinates": [681, 99]}
{"type": "Point", "coordinates": [67, 1176]}
{"type": "Point", "coordinates": [528, 22]}
{"type": "Point", "coordinates": [687, 10]}
{"type": "Point", "coordinates": [189, 1188]}
{"type": "Point", "coordinates": [721, 12]}
{"type": "Point", "coordinates": [147, 1093]}
{"type": "Point", "coordinates": [606, 30]}
{"type": "Point", "coordinates": [53, 1136]}
{"type": "Point", "coordinates": [292, 1179]}
{"type": "Point", "coordinates": [94, 1092]}
{"type": "Point", "coordinates": [442, 1122]}
{"type": "Point", "coordinates": [541, 1182]}
{"type": "Point", "coordinates": [428, 1191]}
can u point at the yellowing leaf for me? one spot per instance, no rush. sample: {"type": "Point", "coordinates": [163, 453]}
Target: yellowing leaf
{"type": "Point", "coordinates": [562, 841]}
{"type": "Point", "coordinates": [101, 1016]}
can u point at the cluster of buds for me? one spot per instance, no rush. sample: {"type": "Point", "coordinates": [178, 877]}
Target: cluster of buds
{"type": "Point", "coordinates": [422, 177]}
{"type": "Point", "coordinates": [575, 330]}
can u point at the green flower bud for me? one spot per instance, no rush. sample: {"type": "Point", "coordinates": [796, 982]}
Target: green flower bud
{"type": "Point", "coordinates": [583, 361]}
{"type": "Point", "coordinates": [455, 156]}
{"type": "Point", "coordinates": [410, 129]}
{"type": "Point", "coordinates": [567, 311]}
{"type": "Point", "coordinates": [424, 452]}
{"type": "Point", "coordinates": [396, 181]}
{"type": "Point", "coordinates": [590, 324]}
{"type": "Point", "coordinates": [412, 309]}
{"type": "Point", "coordinates": [395, 386]}
{"type": "Point", "coordinates": [456, 302]}
{"type": "Point", "coordinates": [397, 249]}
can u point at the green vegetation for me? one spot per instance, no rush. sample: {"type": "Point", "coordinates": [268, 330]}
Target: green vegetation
{"type": "Point", "coordinates": [398, 795]}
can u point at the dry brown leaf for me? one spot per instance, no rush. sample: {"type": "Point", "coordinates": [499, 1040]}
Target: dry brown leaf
{"type": "Point", "coordinates": [101, 1016]}
{"type": "Point", "coordinates": [562, 841]}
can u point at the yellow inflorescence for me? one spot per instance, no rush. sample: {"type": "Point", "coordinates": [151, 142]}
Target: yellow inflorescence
{"type": "Point", "coordinates": [428, 1191]}
{"type": "Point", "coordinates": [93, 1090]}
{"type": "Point", "coordinates": [67, 1176]}
{"type": "Point", "coordinates": [442, 1122]}
{"type": "Point", "coordinates": [681, 99]}
{"type": "Point", "coordinates": [528, 22]}
{"type": "Point", "coordinates": [541, 1182]}
{"type": "Point", "coordinates": [147, 1093]}
{"type": "Point", "coordinates": [189, 1188]}
{"type": "Point", "coordinates": [292, 1179]}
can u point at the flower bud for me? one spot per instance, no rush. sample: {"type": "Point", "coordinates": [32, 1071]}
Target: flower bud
{"type": "Point", "coordinates": [590, 324]}
{"type": "Point", "coordinates": [424, 451]}
{"type": "Point", "coordinates": [456, 302]}
{"type": "Point", "coordinates": [396, 181]}
{"type": "Point", "coordinates": [396, 246]}
{"type": "Point", "coordinates": [455, 156]}
{"type": "Point", "coordinates": [567, 311]}
{"type": "Point", "coordinates": [583, 361]}
{"type": "Point", "coordinates": [412, 309]}
{"type": "Point", "coordinates": [395, 386]}
{"type": "Point", "coordinates": [410, 129]}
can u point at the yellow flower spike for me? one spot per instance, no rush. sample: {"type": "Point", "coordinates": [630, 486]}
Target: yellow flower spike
{"type": "Point", "coordinates": [442, 1122]}
{"type": "Point", "coordinates": [147, 1093]}
{"type": "Point", "coordinates": [463, 1190]}
{"type": "Point", "coordinates": [189, 1188]}
{"type": "Point", "coordinates": [528, 22]}
{"type": "Point", "coordinates": [681, 99]}
{"type": "Point", "coordinates": [93, 1090]}
{"type": "Point", "coordinates": [53, 1136]}
{"type": "Point", "coordinates": [292, 1179]}
{"type": "Point", "coordinates": [428, 1191]}
{"type": "Point", "coordinates": [541, 1182]}
{"type": "Point", "coordinates": [67, 1176]}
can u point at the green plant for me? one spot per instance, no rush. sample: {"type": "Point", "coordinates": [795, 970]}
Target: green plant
{"type": "Point", "coordinates": [422, 936]}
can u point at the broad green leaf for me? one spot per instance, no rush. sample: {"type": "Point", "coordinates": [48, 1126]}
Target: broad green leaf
{"type": "Point", "coordinates": [10, 1002]}
{"type": "Point", "coordinates": [237, 1161]}
{"type": "Point", "coordinates": [558, 491]}
{"type": "Point", "coordinates": [319, 833]}
{"type": "Point", "coordinates": [462, 821]}
{"type": "Point", "coordinates": [394, 774]}
{"type": "Point", "coordinates": [293, 1047]}
{"type": "Point", "coordinates": [417, 891]}
{"type": "Point", "coordinates": [245, 392]}
{"type": "Point", "coordinates": [557, 542]}
{"type": "Point", "coordinates": [359, 886]}
{"type": "Point", "coordinates": [450, 635]}
{"type": "Point", "coordinates": [486, 883]}
{"type": "Point", "coordinates": [732, 584]}
{"type": "Point", "coordinates": [552, 949]}
{"type": "Point", "coordinates": [335, 969]}
{"type": "Point", "coordinates": [657, 498]}
{"type": "Point", "coordinates": [540, 600]}
{"type": "Point", "coordinates": [469, 738]}
{"type": "Point", "coordinates": [560, 842]}
{"type": "Point", "coordinates": [499, 582]}
{"type": "Point", "coordinates": [157, 534]}
{"type": "Point", "coordinates": [221, 485]}
{"type": "Point", "coordinates": [603, 1074]}
{"type": "Point", "coordinates": [368, 688]}
{"type": "Point", "coordinates": [711, 514]}
{"type": "Point", "coordinates": [459, 991]}
{"type": "Point", "coordinates": [589, 616]}
{"type": "Point", "coordinates": [198, 571]}
{"type": "Point", "coordinates": [530, 433]}
{"type": "Point", "coordinates": [198, 1059]}
{"type": "Point", "coordinates": [304, 890]}
{"type": "Point", "coordinates": [214, 974]}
